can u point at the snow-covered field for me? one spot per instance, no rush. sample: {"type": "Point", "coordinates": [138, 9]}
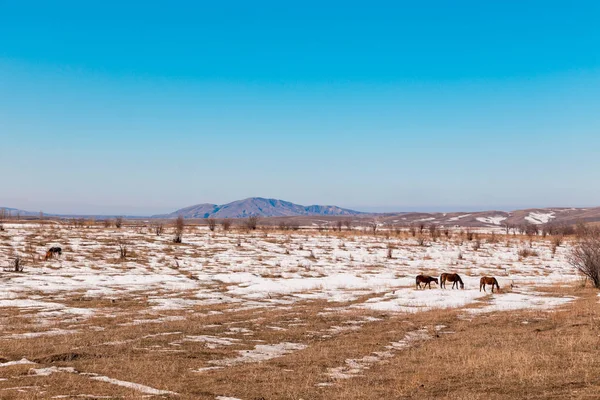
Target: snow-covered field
{"type": "Point", "coordinates": [228, 272]}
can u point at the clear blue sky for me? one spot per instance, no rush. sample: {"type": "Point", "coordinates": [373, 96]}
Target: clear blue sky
{"type": "Point", "coordinates": [145, 107]}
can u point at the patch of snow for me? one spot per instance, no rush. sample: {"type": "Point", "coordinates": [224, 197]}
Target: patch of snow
{"type": "Point", "coordinates": [494, 220]}
{"type": "Point", "coordinates": [261, 352]}
{"type": "Point", "coordinates": [22, 361]}
{"type": "Point", "coordinates": [540, 218]}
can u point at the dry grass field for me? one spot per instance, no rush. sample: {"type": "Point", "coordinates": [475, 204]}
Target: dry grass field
{"type": "Point", "coordinates": [290, 315]}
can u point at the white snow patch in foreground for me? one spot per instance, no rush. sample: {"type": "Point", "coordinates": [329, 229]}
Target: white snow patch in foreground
{"type": "Point", "coordinates": [226, 398]}
{"type": "Point", "coordinates": [261, 352]}
{"type": "Point", "coordinates": [131, 385]}
{"type": "Point", "coordinates": [51, 370]}
{"type": "Point", "coordinates": [354, 367]}
{"type": "Point", "coordinates": [519, 301]}
{"type": "Point", "coordinates": [411, 300]}
{"type": "Point", "coordinates": [29, 335]}
{"type": "Point", "coordinates": [212, 342]}
{"type": "Point", "coordinates": [22, 361]}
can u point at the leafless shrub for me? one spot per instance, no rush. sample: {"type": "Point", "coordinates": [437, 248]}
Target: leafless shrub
{"type": "Point", "coordinates": [373, 226]}
{"type": "Point", "coordinates": [585, 256]}
{"type": "Point", "coordinates": [158, 228]}
{"type": "Point", "coordinates": [460, 255]}
{"type": "Point", "coordinates": [107, 222]}
{"type": "Point", "coordinates": [447, 233]}
{"type": "Point", "coordinates": [524, 253]}
{"type": "Point", "coordinates": [493, 238]}
{"type": "Point", "coordinates": [390, 251]}
{"type": "Point", "coordinates": [339, 224]}
{"type": "Point", "coordinates": [348, 223]}
{"type": "Point", "coordinates": [421, 227]}
{"type": "Point", "coordinates": [226, 224]}
{"type": "Point", "coordinates": [557, 240]}
{"type": "Point", "coordinates": [118, 222]}
{"type": "Point", "coordinates": [476, 243]}
{"type": "Point", "coordinates": [434, 232]}
{"type": "Point", "coordinates": [122, 250]}
{"type": "Point", "coordinates": [212, 224]}
{"type": "Point", "coordinates": [18, 264]}
{"type": "Point", "coordinates": [421, 241]}
{"type": "Point", "coordinates": [413, 230]}
{"type": "Point", "coordinates": [470, 234]}
{"type": "Point", "coordinates": [179, 228]}
{"type": "Point", "coordinates": [252, 222]}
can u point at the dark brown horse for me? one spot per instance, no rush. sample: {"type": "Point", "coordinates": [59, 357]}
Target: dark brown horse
{"type": "Point", "coordinates": [454, 278]}
{"type": "Point", "coordinates": [53, 251]}
{"type": "Point", "coordinates": [488, 280]}
{"type": "Point", "coordinates": [426, 280]}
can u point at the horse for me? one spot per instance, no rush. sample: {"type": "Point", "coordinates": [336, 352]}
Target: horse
{"type": "Point", "coordinates": [454, 278]}
{"type": "Point", "coordinates": [426, 280]}
{"type": "Point", "coordinates": [488, 280]}
{"type": "Point", "coordinates": [53, 251]}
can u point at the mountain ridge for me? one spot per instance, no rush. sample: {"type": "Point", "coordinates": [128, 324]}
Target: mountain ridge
{"type": "Point", "coordinates": [258, 206]}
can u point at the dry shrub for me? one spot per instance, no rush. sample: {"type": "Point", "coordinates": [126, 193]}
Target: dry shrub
{"type": "Point", "coordinates": [179, 228]}
{"type": "Point", "coordinates": [252, 222]}
{"type": "Point", "coordinates": [226, 224]}
{"type": "Point", "coordinates": [524, 253]}
{"type": "Point", "coordinates": [585, 256]}
{"type": "Point", "coordinates": [119, 222]}
{"type": "Point", "coordinates": [212, 224]}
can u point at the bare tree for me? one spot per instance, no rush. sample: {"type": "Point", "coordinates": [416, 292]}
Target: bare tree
{"type": "Point", "coordinates": [179, 228]}
{"type": "Point", "coordinates": [226, 224]}
{"type": "Point", "coordinates": [107, 222]}
{"type": "Point", "coordinates": [18, 264]}
{"type": "Point", "coordinates": [413, 230]}
{"type": "Point", "coordinates": [212, 224]}
{"type": "Point", "coordinates": [119, 222]}
{"type": "Point", "coordinates": [159, 228]}
{"type": "Point", "coordinates": [348, 223]}
{"type": "Point", "coordinates": [122, 250]}
{"type": "Point", "coordinates": [390, 251]}
{"type": "Point", "coordinates": [585, 256]}
{"type": "Point", "coordinates": [338, 224]}
{"type": "Point", "coordinates": [252, 222]}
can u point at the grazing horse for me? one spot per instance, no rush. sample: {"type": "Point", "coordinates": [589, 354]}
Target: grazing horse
{"type": "Point", "coordinates": [454, 278]}
{"type": "Point", "coordinates": [426, 280]}
{"type": "Point", "coordinates": [53, 251]}
{"type": "Point", "coordinates": [488, 280]}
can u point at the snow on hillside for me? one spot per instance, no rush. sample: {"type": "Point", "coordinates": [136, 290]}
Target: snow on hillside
{"type": "Point", "coordinates": [540, 218]}
{"type": "Point", "coordinates": [496, 220]}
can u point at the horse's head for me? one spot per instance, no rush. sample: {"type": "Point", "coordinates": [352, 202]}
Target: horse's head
{"type": "Point", "coordinates": [462, 285]}
{"type": "Point", "coordinates": [436, 281]}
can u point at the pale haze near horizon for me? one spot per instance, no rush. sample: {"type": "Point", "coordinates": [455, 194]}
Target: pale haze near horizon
{"type": "Point", "coordinates": [143, 110]}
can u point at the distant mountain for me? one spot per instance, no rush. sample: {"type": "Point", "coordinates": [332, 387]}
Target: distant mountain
{"type": "Point", "coordinates": [260, 207]}
{"type": "Point", "coordinates": [12, 212]}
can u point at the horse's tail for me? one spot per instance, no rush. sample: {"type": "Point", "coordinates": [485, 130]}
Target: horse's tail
{"type": "Point", "coordinates": [48, 255]}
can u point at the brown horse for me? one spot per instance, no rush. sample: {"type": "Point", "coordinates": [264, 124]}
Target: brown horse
{"type": "Point", "coordinates": [488, 280]}
{"type": "Point", "coordinates": [53, 251]}
{"type": "Point", "coordinates": [454, 278]}
{"type": "Point", "coordinates": [426, 280]}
